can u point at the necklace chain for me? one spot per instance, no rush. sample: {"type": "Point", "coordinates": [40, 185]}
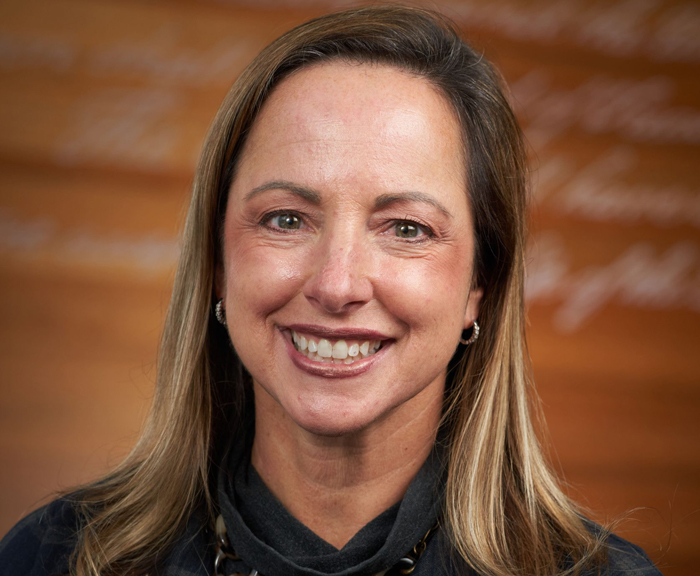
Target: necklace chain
{"type": "Point", "coordinates": [404, 566]}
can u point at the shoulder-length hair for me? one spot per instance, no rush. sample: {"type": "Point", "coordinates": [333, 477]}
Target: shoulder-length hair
{"type": "Point", "coordinates": [503, 511]}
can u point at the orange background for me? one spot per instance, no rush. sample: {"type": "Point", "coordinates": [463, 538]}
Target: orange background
{"type": "Point", "coordinates": [103, 109]}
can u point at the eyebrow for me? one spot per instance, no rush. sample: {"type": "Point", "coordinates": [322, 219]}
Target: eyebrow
{"type": "Point", "coordinates": [314, 197]}
{"type": "Point", "coordinates": [306, 193]}
{"type": "Point", "coordinates": [388, 199]}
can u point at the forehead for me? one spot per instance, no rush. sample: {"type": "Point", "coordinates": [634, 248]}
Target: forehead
{"type": "Point", "coordinates": [356, 87]}
{"type": "Point", "coordinates": [344, 121]}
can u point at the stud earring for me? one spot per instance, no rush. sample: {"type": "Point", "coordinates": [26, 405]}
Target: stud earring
{"type": "Point", "coordinates": [219, 312]}
{"type": "Point", "coordinates": [473, 337]}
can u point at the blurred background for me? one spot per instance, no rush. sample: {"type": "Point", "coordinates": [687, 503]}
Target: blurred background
{"type": "Point", "coordinates": [103, 109]}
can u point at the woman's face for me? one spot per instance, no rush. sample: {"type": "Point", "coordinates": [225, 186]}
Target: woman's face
{"type": "Point", "coordinates": [349, 246]}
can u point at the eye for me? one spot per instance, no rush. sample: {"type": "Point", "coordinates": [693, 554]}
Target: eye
{"type": "Point", "coordinates": [284, 221]}
{"type": "Point", "coordinates": [408, 230]}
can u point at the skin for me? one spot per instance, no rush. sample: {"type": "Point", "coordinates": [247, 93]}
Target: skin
{"type": "Point", "coordinates": [340, 158]}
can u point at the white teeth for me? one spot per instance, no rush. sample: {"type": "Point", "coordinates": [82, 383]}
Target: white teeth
{"type": "Point", "coordinates": [338, 353]}
{"type": "Point", "coordinates": [325, 348]}
{"type": "Point", "coordinates": [340, 350]}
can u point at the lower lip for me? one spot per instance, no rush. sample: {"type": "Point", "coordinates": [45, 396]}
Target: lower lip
{"type": "Point", "coordinates": [331, 370]}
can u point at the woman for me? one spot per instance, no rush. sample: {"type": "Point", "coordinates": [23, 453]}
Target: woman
{"type": "Point", "coordinates": [343, 385]}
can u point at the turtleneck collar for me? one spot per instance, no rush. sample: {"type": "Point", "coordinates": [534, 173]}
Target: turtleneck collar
{"type": "Point", "coordinates": [269, 539]}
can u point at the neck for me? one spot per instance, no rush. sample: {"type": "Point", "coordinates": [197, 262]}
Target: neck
{"type": "Point", "coordinates": [336, 485]}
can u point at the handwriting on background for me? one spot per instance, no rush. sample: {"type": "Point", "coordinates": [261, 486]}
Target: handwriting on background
{"type": "Point", "coordinates": [25, 239]}
{"type": "Point", "coordinates": [123, 127]}
{"type": "Point", "coordinates": [620, 28]}
{"type": "Point", "coordinates": [596, 192]}
{"type": "Point", "coordinates": [22, 53]}
{"type": "Point", "coordinates": [637, 110]}
{"type": "Point", "coordinates": [161, 57]}
{"type": "Point", "coordinates": [641, 277]}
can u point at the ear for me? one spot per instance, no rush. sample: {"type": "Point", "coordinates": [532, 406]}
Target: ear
{"type": "Point", "coordinates": [473, 305]}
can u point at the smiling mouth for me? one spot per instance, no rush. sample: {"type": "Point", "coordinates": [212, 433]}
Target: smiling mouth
{"type": "Point", "coordinates": [324, 350]}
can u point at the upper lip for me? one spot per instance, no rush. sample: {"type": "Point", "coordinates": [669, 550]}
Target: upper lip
{"type": "Point", "coordinates": [338, 333]}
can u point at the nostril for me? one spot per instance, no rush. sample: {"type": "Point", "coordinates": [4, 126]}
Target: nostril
{"type": "Point", "coordinates": [338, 296]}
{"type": "Point", "coordinates": [337, 303]}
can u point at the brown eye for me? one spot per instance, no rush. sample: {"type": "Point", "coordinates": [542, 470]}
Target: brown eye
{"type": "Point", "coordinates": [286, 221]}
{"type": "Point", "coordinates": [406, 230]}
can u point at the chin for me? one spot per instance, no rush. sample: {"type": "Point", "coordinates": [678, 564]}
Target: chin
{"type": "Point", "coordinates": [324, 419]}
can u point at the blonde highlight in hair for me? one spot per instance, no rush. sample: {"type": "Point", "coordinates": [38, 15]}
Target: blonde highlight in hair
{"type": "Point", "coordinates": [504, 511]}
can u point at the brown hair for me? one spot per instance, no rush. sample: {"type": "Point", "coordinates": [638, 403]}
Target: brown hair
{"type": "Point", "coordinates": [504, 511]}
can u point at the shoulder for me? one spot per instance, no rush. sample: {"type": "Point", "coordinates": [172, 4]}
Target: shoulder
{"type": "Point", "coordinates": [622, 559]}
{"type": "Point", "coordinates": [41, 543]}
{"type": "Point", "coordinates": [627, 559]}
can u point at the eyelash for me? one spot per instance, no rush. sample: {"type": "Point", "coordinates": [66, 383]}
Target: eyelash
{"type": "Point", "coordinates": [427, 232]}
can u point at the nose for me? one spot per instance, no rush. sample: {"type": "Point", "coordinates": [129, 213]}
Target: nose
{"type": "Point", "coordinates": [339, 282]}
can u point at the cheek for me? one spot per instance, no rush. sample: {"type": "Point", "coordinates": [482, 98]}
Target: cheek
{"type": "Point", "coordinates": [260, 279]}
{"type": "Point", "coordinates": [429, 293]}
